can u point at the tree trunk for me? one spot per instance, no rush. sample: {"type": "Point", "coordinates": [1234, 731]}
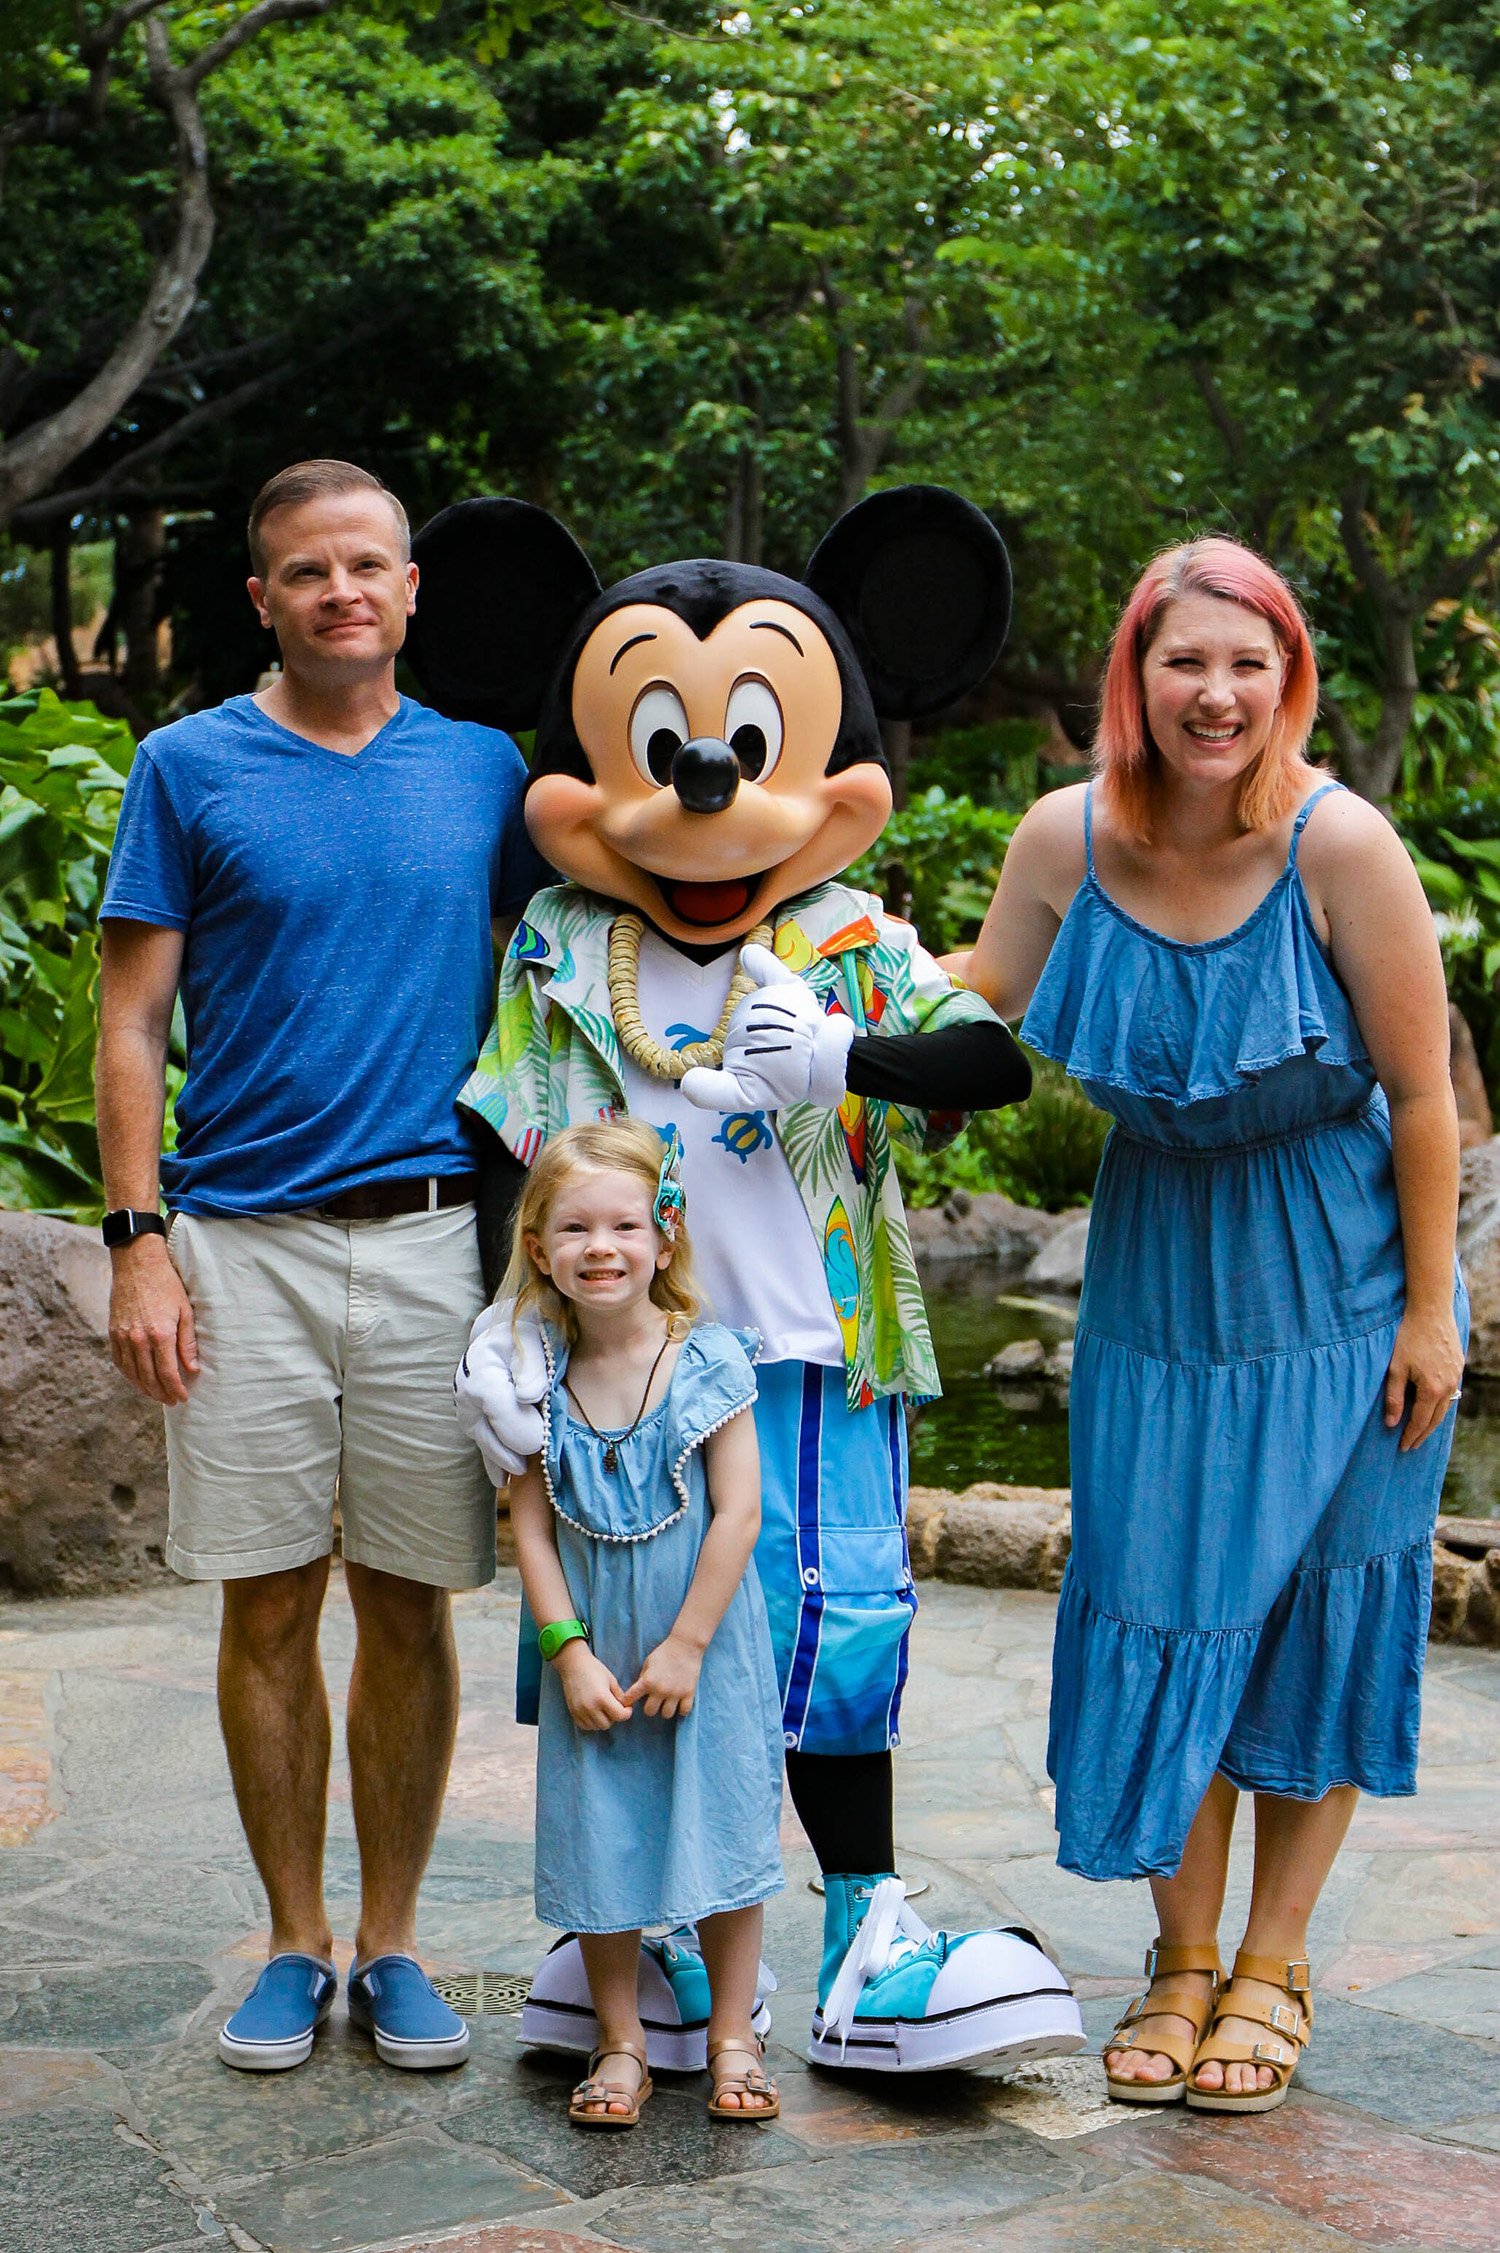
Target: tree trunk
{"type": "Point", "coordinates": [896, 736]}
{"type": "Point", "coordinates": [62, 611]}
{"type": "Point", "coordinates": [140, 548]}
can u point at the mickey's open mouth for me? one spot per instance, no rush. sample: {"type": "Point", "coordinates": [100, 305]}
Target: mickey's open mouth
{"type": "Point", "coordinates": [706, 906]}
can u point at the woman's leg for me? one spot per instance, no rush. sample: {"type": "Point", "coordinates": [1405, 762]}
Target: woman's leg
{"type": "Point", "coordinates": [612, 1961]}
{"type": "Point", "coordinates": [1296, 1841]}
{"type": "Point", "coordinates": [731, 1952]}
{"type": "Point", "coordinates": [1188, 1908]}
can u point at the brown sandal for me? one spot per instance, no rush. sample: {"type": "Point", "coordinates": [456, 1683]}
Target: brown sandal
{"type": "Point", "coordinates": [755, 2081]}
{"type": "Point", "coordinates": [596, 2090]}
{"type": "Point", "coordinates": [1290, 2023]}
{"type": "Point", "coordinates": [1173, 2002]}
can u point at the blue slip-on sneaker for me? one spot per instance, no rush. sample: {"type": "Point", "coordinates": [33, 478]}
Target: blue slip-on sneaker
{"type": "Point", "coordinates": [894, 1997]}
{"type": "Point", "coordinates": [392, 1998]}
{"type": "Point", "coordinates": [274, 2026]}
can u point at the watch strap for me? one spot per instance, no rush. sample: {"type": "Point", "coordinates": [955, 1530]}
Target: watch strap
{"type": "Point", "coordinates": [121, 1226]}
{"type": "Point", "coordinates": [552, 1638]}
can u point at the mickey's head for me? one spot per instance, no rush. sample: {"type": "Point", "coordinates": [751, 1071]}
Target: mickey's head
{"type": "Point", "coordinates": [707, 740]}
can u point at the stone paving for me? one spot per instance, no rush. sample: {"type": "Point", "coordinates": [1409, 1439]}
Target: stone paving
{"type": "Point", "coordinates": [133, 1923]}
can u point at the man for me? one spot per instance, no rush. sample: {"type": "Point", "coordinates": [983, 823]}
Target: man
{"type": "Point", "coordinates": [316, 869]}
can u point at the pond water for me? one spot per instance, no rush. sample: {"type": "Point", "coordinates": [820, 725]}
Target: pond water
{"type": "Point", "coordinates": [1018, 1435]}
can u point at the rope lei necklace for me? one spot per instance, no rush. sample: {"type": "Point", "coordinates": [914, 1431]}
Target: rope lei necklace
{"type": "Point", "coordinates": [651, 1055]}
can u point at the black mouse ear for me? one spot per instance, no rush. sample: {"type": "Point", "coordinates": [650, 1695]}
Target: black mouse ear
{"type": "Point", "coordinates": [502, 587]}
{"type": "Point", "coordinates": [921, 582]}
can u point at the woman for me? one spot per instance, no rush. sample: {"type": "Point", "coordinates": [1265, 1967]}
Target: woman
{"type": "Point", "coordinates": [1233, 954]}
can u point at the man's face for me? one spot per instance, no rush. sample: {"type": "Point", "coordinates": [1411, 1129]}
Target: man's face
{"type": "Point", "coordinates": [337, 590]}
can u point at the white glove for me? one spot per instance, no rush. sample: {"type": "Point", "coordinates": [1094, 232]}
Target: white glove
{"type": "Point", "coordinates": [496, 1389]}
{"type": "Point", "coordinates": [781, 1047]}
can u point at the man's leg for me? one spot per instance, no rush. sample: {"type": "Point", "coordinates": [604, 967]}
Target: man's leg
{"type": "Point", "coordinates": [273, 1708]}
{"type": "Point", "coordinates": [402, 1719]}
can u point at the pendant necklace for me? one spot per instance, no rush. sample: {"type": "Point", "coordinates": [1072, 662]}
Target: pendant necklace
{"type": "Point", "coordinates": [611, 1452]}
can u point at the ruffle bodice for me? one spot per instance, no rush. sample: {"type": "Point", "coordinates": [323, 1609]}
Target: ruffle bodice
{"type": "Point", "coordinates": [1204, 1045]}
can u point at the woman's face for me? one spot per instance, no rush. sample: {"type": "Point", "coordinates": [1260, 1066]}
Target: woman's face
{"type": "Point", "coordinates": [1212, 681]}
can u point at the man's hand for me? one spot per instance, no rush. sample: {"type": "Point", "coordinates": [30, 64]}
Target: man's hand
{"type": "Point", "coordinates": [151, 1337]}
{"type": "Point", "coordinates": [496, 1390]}
{"type": "Point", "coordinates": [781, 1047]}
{"type": "Point", "coordinates": [668, 1682]}
{"type": "Point", "coordinates": [595, 1699]}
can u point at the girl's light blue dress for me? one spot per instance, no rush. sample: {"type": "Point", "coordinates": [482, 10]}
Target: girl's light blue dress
{"type": "Point", "coordinates": [1251, 1572]}
{"type": "Point", "coordinates": [655, 1822]}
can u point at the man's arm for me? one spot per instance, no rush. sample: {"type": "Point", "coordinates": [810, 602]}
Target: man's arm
{"type": "Point", "coordinates": [151, 1336]}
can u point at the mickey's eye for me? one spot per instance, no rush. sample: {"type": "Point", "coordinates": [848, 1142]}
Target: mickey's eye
{"type": "Point", "coordinates": [658, 730]}
{"type": "Point", "coordinates": [753, 727]}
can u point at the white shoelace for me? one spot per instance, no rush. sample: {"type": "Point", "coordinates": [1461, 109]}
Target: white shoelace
{"type": "Point", "coordinates": [891, 1931]}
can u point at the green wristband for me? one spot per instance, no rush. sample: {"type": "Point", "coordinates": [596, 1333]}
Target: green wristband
{"type": "Point", "coordinates": [551, 1639]}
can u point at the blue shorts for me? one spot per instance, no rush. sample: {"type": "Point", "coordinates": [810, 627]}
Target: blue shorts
{"type": "Point", "coordinates": [832, 1557]}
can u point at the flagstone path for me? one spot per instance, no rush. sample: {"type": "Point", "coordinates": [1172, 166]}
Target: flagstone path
{"type": "Point", "coordinates": [131, 1923]}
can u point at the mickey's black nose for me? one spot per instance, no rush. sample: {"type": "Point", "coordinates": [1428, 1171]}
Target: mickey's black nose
{"type": "Point", "coordinates": [706, 775]}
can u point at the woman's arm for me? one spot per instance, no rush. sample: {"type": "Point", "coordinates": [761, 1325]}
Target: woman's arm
{"type": "Point", "coordinates": [1385, 950]}
{"type": "Point", "coordinates": [1043, 867]}
{"type": "Point", "coordinates": [668, 1681]}
{"type": "Point", "coordinates": [595, 1699]}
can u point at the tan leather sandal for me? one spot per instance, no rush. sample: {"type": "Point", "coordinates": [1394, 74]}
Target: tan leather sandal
{"type": "Point", "coordinates": [1174, 2002]}
{"type": "Point", "coordinates": [754, 2081]}
{"type": "Point", "coordinates": [1289, 2025]}
{"type": "Point", "coordinates": [595, 2089]}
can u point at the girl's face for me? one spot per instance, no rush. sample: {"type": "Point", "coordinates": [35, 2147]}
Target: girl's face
{"type": "Point", "coordinates": [599, 1245]}
{"type": "Point", "coordinates": [1212, 680]}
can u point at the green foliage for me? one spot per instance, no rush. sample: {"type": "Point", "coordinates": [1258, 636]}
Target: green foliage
{"type": "Point", "coordinates": [1452, 840]}
{"type": "Point", "coordinates": [937, 863]}
{"type": "Point", "coordinates": [62, 768]}
{"type": "Point", "coordinates": [1042, 1152]}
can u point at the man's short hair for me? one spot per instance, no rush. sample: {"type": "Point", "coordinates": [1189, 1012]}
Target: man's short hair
{"type": "Point", "coordinates": [306, 481]}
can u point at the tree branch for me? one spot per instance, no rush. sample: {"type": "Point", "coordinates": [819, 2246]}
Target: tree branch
{"type": "Point", "coordinates": [112, 484]}
{"type": "Point", "coordinates": [39, 456]}
{"type": "Point", "coordinates": [1368, 568]}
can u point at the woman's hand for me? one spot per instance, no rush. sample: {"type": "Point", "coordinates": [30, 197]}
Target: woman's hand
{"type": "Point", "coordinates": [1428, 1361]}
{"type": "Point", "coordinates": [668, 1682]}
{"type": "Point", "coordinates": [595, 1699]}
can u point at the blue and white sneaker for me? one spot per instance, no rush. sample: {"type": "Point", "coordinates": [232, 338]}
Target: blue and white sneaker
{"type": "Point", "coordinates": [894, 1997]}
{"type": "Point", "coordinates": [392, 1998]}
{"type": "Point", "coordinates": [672, 1993]}
{"type": "Point", "coordinates": [274, 2026]}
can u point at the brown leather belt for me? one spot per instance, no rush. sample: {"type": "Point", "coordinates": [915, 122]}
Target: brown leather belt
{"type": "Point", "coordinates": [383, 1200]}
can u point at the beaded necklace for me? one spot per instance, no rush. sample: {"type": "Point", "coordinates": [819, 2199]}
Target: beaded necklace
{"type": "Point", "coordinates": [652, 1056]}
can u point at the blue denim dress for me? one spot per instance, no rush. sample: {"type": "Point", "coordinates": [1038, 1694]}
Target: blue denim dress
{"type": "Point", "coordinates": [1251, 1572]}
{"type": "Point", "coordinates": [655, 1822]}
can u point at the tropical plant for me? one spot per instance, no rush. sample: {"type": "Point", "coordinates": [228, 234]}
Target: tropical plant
{"type": "Point", "coordinates": [62, 768]}
{"type": "Point", "coordinates": [937, 863]}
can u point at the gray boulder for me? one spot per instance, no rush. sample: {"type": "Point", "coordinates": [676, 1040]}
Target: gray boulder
{"type": "Point", "coordinates": [979, 1225]}
{"type": "Point", "coordinates": [1058, 1266]}
{"type": "Point", "coordinates": [1027, 1357]}
{"type": "Point", "coordinates": [83, 1475]}
{"type": "Point", "coordinates": [1479, 1250]}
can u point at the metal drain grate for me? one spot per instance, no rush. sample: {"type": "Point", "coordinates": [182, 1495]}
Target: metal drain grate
{"type": "Point", "coordinates": [482, 1994]}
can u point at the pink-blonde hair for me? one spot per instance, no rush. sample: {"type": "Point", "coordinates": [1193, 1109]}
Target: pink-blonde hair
{"type": "Point", "coordinates": [1126, 760]}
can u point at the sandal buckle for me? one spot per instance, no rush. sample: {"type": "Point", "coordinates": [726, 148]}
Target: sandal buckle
{"type": "Point", "coordinates": [1301, 1966]}
{"type": "Point", "coordinates": [1269, 2053]}
{"type": "Point", "coordinates": [1284, 2017]}
{"type": "Point", "coordinates": [1149, 1967]}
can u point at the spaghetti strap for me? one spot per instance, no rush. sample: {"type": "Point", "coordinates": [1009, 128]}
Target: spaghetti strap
{"type": "Point", "coordinates": [1301, 821]}
{"type": "Point", "coordinates": [1088, 829]}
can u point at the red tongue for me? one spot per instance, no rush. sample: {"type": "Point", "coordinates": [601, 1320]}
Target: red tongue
{"type": "Point", "coordinates": [708, 903]}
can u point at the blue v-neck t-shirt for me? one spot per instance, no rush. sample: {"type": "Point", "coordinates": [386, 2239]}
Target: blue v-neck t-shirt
{"type": "Point", "coordinates": [338, 975]}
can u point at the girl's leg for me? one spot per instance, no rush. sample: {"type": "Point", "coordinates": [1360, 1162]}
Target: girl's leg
{"type": "Point", "coordinates": [612, 1961]}
{"type": "Point", "coordinates": [1296, 1841]}
{"type": "Point", "coordinates": [731, 1953]}
{"type": "Point", "coordinates": [1188, 1908]}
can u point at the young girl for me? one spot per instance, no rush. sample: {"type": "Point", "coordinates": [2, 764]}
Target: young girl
{"type": "Point", "coordinates": [659, 1749]}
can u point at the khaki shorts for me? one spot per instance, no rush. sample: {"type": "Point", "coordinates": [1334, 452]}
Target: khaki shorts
{"type": "Point", "coordinates": [327, 1353]}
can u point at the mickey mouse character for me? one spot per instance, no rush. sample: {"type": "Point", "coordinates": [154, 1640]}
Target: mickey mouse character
{"type": "Point", "coordinates": [707, 761]}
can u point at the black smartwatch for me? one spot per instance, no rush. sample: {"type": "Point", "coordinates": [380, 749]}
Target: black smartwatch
{"type": "Point", "coordinates": [119, 1227]}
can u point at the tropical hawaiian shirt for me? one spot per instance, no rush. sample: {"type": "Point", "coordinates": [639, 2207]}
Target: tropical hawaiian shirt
{"type": "Point", "coordinates": [552, 1059]}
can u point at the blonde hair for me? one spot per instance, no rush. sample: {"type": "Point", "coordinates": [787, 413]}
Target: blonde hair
{"type": "Point", "coordinates": [1126, 760]}
{"type": "Point", "coordinates": [625, 1146]}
